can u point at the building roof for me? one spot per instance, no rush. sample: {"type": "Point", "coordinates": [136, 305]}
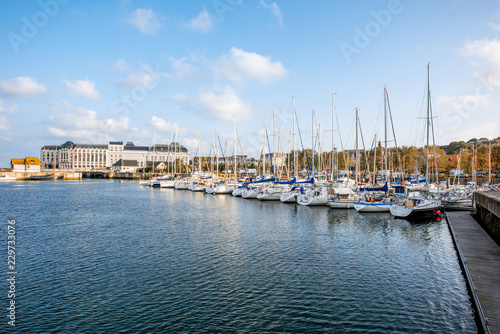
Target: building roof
{"type": "Point", "coordinates": [70, 145]}
{"type": "Point", "coordinates": [125, 163]}
{"type": "Point", "coordinates": [172, 147]}
{"type": "Point", "coordinates": [91, 146]}
{"type": "Point", "coordinates": [32, 161]}
{"type": "Point", "coordinates": [26, 161]}
{"type": "Point", "coordinates": [135, 148]}
{"type": "Point", "coordinates": [115, 143]}
{"type": "Point", "coordinates": [453, 160]}
{"type": "Point", "coordinates": [51, 147]}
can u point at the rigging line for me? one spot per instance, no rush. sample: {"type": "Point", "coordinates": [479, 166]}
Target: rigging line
{"type": "Point", "coordinates": [301, 144]}
{"type": "Point", "coordinates": [271, 155]}
{"type": "Point", "coordinates": [340, 136]}
{"type": "Point", "coordinates": [434, 143]}
{"type": "Point", "coordinates": [314, 147]}
{"type": "Point", "coordinates": [367, 161]}
{"type": "Point", "coordinates": [394, 132]}
{"type": "Point", "coordinates": [377, 119]}
{"type": "Point", "coordinates": [223, 151]}
{"type": "Point", "coordinates": [241, 150]}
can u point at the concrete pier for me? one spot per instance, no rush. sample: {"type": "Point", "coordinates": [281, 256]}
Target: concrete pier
{"type": "Point", "coordinates": [480, 259]}
{"type": "Point", "coordinates": [488, 211]}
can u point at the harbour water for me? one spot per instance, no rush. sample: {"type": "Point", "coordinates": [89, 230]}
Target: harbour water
{"type": "Point", "coordinates": [110, 256]}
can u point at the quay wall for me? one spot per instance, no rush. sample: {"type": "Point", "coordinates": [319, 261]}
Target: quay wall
{"type": "Point", "coordinates": [23, 176]}
{"type": "Point", "coordinates": [488, 212]}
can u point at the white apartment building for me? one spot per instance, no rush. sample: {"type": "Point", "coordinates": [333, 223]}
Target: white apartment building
{"type": "Point", "coordinates": [71, 156]}
{"type": "Point", "coordinates": [87, 157]}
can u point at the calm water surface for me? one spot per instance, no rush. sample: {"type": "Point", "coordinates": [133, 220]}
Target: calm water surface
{"type": "Point", "coordinates": [108, 257]}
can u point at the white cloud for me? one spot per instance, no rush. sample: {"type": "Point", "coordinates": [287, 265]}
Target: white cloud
{"type": "Point", "coordinates": [274, 9]}
{"type": "Point", "coordinates": [13, 109]}
{"type": "Point", "coordinates": [495, 26]}
{"type": "Point", "coordinates": [21, 87]}
{"type": "Point", "coordinates": [85, 88]}
{"type": "Point", "coordinates": [162, 125]}
{"type": "Point", "coordinates": [88, 126]}
{"type": "Point", "coordinates": [204, 22]}
{"type": "Point", "coordinates": [487, 50]}
{"type": "Point", "coordinates": [121, 65]}
{"type": "Point", "coordinates": [223, 103]}
{"type": "Point", "coordinates": [181, 68]}
{"type": "Point", "coordinates": [145, 76]}
{"type": "Point", "coordinates": [176, 98]}
{"type": "Point", "coordinates": [147, 21]}
{"type": "Point", "coordinates": [4, 125]}
{"type": "Point", "coordinates": [466, 102]}
{"type": "Point", "coordinates": [239, 65]}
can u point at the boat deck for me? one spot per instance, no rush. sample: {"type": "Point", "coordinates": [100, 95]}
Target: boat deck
{"type": "Point", "coordinates": [480, 257]}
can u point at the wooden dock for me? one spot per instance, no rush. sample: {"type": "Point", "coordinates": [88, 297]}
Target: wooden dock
{"type": "Point", "coordinates": [480, 257]}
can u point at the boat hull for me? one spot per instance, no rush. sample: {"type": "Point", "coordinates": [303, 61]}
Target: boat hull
{"type": "Point", "coordinates": [372, 207]}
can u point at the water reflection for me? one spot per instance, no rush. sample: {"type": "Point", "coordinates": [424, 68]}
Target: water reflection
{"type": "Point", "coordinates": [178, 261]}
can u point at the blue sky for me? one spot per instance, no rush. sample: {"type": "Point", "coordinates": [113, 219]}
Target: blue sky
{"type": "Point", "coordinates": [91, 71]}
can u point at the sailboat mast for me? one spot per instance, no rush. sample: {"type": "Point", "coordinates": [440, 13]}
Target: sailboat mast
{"type": "Point", "coordinates": [234, 130]}
{"type": "Point", "coordinates": [375, 162]}
{"type": "Point", "coordinates": [273, 161]}
{"type": "Point", "coordinates": [293, 135]}
{"type": "Point", "coordinates": [357, 149]}
{"type": "Point", "coordinates": [333, 132]}
{"type": "Point", "coordinates": [312, 144]}
{"type": "Point", "coordinates": [428, 125]}
{"type": "Point", "coordinates": [217, 152]}
{"type": "Point", "coordinates": [264, 150]}
{"type": "Point", "coordinates": [385, 134]}
{"type": "Point", "coordinates": [175, 147]}
{"type": "Point", "coordinates": [199, 159]}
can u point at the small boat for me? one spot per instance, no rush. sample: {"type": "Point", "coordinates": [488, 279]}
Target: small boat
{"type": "Point", "coordinates": [316, 196]}
{"type": "Point", "coordinates": [342, 198]}
{"type": "Point", "coordinates": [183, 185]}
{"type": "Point", "coordinates": [290, 196]}
{"type": "Point", "coordinates": [8, 178]}
{"type": "Point", "coordinates": [418, 203]}
{"type": "Point", "coordinates": [225, 189]}
{"type": "Point", "coordinates": [250, 193]}
{"type": "Point", "coordinates": [373, 203]}
{"type": "Point", "coordinates": [269, 194]}
{"type": "Point", "coordinates": [167, 183]}
{"type": "Point", "coordinates": [197, 187]}
{"type": "Point", "coordinates": [45, 177]}
{"type": "Point", "coordinates": [144, 182]}
{"type": "Point", "coordinates": [457, 201]}
{"type": "Point", "coordinates": [238, 191]}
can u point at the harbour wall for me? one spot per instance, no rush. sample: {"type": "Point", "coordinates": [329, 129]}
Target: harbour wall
{"type": "Point", "coordinates": [488, 212]}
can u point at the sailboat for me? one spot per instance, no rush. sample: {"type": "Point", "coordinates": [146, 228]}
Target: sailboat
{"type": "Point", "coordinates": [419, 199]}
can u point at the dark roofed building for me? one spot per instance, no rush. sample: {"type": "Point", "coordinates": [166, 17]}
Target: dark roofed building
{"type": "Point", "coordinates": [125, 166]}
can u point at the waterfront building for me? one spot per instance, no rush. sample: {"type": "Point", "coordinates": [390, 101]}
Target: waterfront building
{"type": "Point", "coordinates": [28, 164]}
{"type": "Point", "coordinates": [119, 151]}
{"type": "Point", "coordinates": [48, 156]}
{"type": "Point", "coordinates": [125, 166]}
{"type": "Point", "coordinates": [87, 157]}
{"type": "Point", "coordinates": [71, 156]}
